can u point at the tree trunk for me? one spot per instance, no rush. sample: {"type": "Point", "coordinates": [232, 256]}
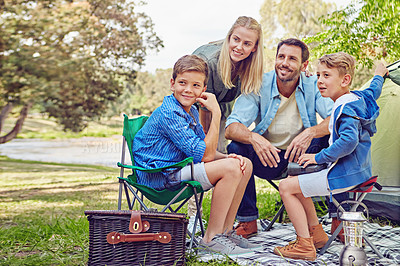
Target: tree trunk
{"type": "Point", "coordinates": [4, 113]}
{"type": "Point", "coordinates": [18, 125]}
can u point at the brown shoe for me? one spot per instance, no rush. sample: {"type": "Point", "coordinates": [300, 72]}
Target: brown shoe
{"type": "Point", "coordinates": [302, 248]}
{"type": "Point", "coordinates": [319, 236]}
{"type": "Point", "coordinates": [246, 229]}
{"type": "Point", "coordinates": [334, 225]}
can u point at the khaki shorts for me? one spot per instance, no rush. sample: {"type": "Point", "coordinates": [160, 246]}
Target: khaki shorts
{"type": "Point", "coordinates": [200, 175]}
{"type": "Point", "coordinates": [316, 184]}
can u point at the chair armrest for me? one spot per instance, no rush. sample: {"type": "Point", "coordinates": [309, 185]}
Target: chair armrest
{"type": "Point", "coordinates": [296, 169]}
{"type": "Point", "coordinates": [180, 164]}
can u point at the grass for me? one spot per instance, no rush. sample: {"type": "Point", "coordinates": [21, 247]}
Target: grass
{"type": "Point", "coordinates": [41, 127]}
{"type": "Point", "coordinates": [42, 210]}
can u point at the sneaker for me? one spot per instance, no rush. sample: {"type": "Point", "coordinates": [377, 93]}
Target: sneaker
{"type": "Point", "coordinates": [241, 241]}
{"type": "Point", "coordinates": [246, 229]}
{"type": "Point", "coordinates": [221, 244]}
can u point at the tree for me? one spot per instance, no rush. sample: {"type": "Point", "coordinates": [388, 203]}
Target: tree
{"type": "Point", "coordinates": [71, 58]}
{"type": "Point", "coordinates": [145, 95]}
{"type": "Point", "coordinates": [367, 29]}
{"type": "Point", "coordinates": [285, 18]}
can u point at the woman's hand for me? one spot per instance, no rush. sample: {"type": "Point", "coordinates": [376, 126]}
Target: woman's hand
{"type": "Point", "coordinates": [240, 158]}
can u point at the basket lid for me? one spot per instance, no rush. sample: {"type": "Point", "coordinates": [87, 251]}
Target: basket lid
{"type": "Point", "coordinates": [165, 215]}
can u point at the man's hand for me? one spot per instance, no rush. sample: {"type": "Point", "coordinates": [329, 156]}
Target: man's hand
{"type": "Point", "coordinates": [267, 153]}
{"type": "Point", "coordinates": [307, 159]}
{"type": "Point", "coordinates": [299, 145]}
{"type": "Point", "coordinates": [243, 164]}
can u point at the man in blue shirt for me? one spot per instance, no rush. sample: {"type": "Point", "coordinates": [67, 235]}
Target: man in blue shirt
{"type": "Point", "coordinates": [284, 113]}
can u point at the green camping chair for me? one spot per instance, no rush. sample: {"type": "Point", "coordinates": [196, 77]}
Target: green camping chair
{"type": "Point", "coordinates": [164, 197]}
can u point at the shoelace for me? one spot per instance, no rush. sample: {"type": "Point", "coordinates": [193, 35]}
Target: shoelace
{"type": "Point", "coordinates": [225, 241]}
{"type": "Point", "coordinates": [290, 245]}
{"type": "Point", "coordinates": [236, 236]}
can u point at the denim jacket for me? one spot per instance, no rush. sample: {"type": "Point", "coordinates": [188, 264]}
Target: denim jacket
{"type": "Point", "coordinates": [261, 108]}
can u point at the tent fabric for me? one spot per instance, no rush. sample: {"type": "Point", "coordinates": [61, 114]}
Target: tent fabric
{"type": "Point", "coordinates": [385, 147]}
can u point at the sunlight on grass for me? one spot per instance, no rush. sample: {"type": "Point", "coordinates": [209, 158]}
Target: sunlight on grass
{"type": "Point", "coordinates": [39, 126]}
{"type": "Point", "coordinates": [42, 208]}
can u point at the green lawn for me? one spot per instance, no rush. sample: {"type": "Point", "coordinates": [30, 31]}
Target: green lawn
{"type": "Point", "coordinates": [42, 208]}
{"type": "Point", "coordinates": [38, 126]}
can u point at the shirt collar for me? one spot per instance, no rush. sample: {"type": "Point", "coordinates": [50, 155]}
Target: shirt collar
{"type": "Point", "coordinates": [181, 110]}
{"type": "Point", "coordinates": [275, 91]}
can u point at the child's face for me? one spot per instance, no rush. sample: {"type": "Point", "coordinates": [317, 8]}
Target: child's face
{"type": "Point", "coordinates": [187, 87]}
{"type": "Point", "coordinates": [242, 43]}
{"type": "Point", "coordinates": [330, 83]}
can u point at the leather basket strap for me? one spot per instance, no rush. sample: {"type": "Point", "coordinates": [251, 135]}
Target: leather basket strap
{"type": "Point", "coordinates": [136, 225]}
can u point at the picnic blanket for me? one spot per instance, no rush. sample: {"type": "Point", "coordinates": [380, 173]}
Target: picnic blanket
{"type": "Point", "coordinates": [386, 239]}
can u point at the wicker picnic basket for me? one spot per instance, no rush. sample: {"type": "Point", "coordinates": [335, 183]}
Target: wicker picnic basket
{"type": "Point", "coordinates": [162, 244]}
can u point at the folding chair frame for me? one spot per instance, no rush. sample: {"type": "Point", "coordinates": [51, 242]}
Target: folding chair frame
{"type": "Point", "coordinates": [279, 214]}
{"type": "Point", "coordinates": [124, 185]}
{"type": "Point", "coordinates": [358, 196]}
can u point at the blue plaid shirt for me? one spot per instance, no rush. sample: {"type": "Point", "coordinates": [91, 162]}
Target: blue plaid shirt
{"type": "Point", "coordinates": [168, 136]}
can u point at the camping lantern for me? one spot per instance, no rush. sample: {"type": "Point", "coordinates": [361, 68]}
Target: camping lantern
{"type": "Point", "coordinates": [353, 222]}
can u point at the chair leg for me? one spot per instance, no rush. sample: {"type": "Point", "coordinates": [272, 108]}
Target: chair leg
{"type": "Point", "coordinates": [197, 218]}
{"type": "Point", "coordinates": [373, 247]}
{"type": "Point", "coordinates": [173, 200]}
{"type": "Point", "coordinates": [278, 214]}
{"type": "Point", "coordinates": [121, 182]}
{"type": "Point", "coordinates": [142, 205]}
{"type": "Point", "coordinates": [127, 197]}
{"type": "Point", "coordinates": [330, 240]}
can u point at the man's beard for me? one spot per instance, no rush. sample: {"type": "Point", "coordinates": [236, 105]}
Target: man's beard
{"type": "Point", "coordinates": [292, 75]}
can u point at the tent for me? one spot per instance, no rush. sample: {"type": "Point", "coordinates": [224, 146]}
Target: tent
{"type": "Point", "coordinates": [385, 148]}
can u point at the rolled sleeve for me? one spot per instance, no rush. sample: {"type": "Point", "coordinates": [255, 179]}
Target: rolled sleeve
{"type": "Point", "coordinates": [245, 110]}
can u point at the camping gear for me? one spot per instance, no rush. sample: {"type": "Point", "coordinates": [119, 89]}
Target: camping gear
{"type": "Point", "coordinates": [353, 252]}
{"type": "Point", "coordinates": [182, 192]}
{"type": "Point", "coordinates": [136, 238]}
{"type": "Point", "coordinates": [359, 193]}
{"type": "Point", "coordinates": [385, 147]}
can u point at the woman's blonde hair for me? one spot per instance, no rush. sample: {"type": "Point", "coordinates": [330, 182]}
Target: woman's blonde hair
{"type": "Point", "coordinates": [251, 69]}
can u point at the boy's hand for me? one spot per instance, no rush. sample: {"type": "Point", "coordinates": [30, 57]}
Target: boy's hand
{"type": "Point", "coordinates": [240, 158]}
{"type": "Point", "coordinates": [307, 159]}
{"type": "Point", "coordinates": [381, 70]}
{"type": "Point", "coordinates": [209, 101]}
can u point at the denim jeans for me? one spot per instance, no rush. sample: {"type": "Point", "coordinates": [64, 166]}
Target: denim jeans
{"type": "Point", "coordinates": [248, 210]}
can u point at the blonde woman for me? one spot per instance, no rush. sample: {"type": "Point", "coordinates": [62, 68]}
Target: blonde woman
{"type": "Point", "coordinates": [235, 67]}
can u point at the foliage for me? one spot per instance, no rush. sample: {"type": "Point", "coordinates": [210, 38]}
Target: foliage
{"type": "Point", "coordinates": [366, 29]}
{"type": "Point", "coordinates": [144, 95]}
{"type": "Point", "coordinates": [71, 57]}
{"type": "Point", "coordinates": [282, 19]}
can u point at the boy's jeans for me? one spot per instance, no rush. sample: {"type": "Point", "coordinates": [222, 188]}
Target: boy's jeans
{"type": "Point", "coordinates": [248, 210]}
